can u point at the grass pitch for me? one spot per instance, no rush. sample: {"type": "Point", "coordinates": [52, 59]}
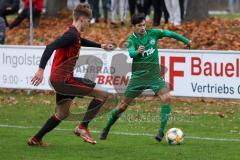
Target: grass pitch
{"type": "Point", "coordinates": [212, 131]}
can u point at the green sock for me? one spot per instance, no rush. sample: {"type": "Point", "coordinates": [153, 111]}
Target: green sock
{"type": "Point", "coordinates": [165, 113]}
{"type": "Point", "coordinates": [113, 118]}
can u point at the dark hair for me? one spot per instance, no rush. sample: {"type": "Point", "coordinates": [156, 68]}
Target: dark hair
{"type": "Point", "coordinates": [82, 9]}
{"type": "Point", "coordinates": [137, 18]}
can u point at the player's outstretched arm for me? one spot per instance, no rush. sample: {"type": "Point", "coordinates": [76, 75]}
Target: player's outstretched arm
{"type": "Point", "coordinates": [88, 43]}
{"type": "Point", "coordinates": [167, 33]}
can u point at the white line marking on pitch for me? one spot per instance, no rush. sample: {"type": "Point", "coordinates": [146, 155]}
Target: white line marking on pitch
{"type": "Point", "coordinates": [125, 133]}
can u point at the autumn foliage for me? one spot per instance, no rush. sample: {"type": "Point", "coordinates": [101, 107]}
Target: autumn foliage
{"type": "Point", "coordinates": [212, 34]}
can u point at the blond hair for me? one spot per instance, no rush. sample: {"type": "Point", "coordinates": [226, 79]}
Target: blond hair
{"type": "Point", "coordinates": [82, 9]}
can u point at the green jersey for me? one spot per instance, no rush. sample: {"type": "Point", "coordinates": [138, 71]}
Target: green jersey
{"type": "Point", "coordinates": [146, 66]}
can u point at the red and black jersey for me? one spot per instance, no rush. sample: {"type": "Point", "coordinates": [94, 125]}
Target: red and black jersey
{"type": "Point", "coordinates": [65, 57]}
{"type": "Point", "coordinates": [67, 51]}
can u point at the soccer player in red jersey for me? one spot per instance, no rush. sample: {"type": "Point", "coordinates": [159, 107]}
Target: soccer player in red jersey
{"type": "Point", "coordinates": [62, 80]}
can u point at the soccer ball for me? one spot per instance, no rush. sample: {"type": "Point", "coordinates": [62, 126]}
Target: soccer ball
{"type": "Point", "coordinates": [174, 136]}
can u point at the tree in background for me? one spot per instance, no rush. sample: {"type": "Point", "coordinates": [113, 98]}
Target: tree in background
{"type": "Point", "coordinates": [54, 6]}
{"type": "Point", "coordinates": [197, 10]}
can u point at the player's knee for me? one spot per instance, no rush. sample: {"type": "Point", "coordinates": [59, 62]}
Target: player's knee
{"type": "Point", "coordinates": [122, 109]}
{"type": "Point", "coordinates": [65, 115]}
{"type": "Point", "coordinates": [103, 97]}
{"type": "Point", "coordinates": [62, 115]}
{"type": "Point", "coordinates": [123, 106]}
{"type": "Point", "coordinates": [166, 99]}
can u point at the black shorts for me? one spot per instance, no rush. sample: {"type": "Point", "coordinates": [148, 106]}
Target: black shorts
{"type": "Point", "coordinates": [75, 87]}
{"type": "Point", "coordinates": [60, 98]}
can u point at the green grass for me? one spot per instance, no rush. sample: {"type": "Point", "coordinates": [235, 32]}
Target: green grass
{"type": "Point", "coordinates": [196, 119]}
{"type": "Point", "coordinates": [229, 16]}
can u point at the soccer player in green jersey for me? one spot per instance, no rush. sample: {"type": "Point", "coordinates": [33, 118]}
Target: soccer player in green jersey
{"type": "Point", "coordinates": [145, 71]}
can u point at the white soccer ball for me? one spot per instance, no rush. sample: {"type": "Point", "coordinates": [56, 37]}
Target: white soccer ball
{"type": "Point", "coordinates": [174, 136]}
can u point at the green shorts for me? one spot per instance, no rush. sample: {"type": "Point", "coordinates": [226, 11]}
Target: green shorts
{"type": "Point", "coordinates": [136, 87]}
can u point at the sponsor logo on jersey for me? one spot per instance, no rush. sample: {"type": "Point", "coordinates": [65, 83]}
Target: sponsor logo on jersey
{"type": "Point", "coordinates": [149, 52]}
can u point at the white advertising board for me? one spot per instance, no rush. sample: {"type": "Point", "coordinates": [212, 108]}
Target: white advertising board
{"type": "Point", "coordinates": [191, 73]}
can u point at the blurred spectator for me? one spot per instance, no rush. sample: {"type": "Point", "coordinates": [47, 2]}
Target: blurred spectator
{"type": "Point", "coordinates": [8, 7]}
{"type": "Point", "coordinates": [164, 11]}
{"type": "Point", "coordinates": [120, 5]}
{"type": "Point", "coordinates": [147, 8]}
{"type": "Point", "coordinates": [182, 9]}
{"type": "Point", "coordinates": [96, 12]}
{"type": "Point", "coordinates": [37, 9]}
{"type": "Point", "coordinates": [2, 30]}
{"type": "Point", "coordinates": [133, 4]}
{"type": "Point", "coordinates": [173, 8]}
{"type": "Point", "coordinates": [90, 2]}
{"type": "Point", "coordinates": [232, 5]}
{"type": "Point", "coordinates": [159, 8]}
